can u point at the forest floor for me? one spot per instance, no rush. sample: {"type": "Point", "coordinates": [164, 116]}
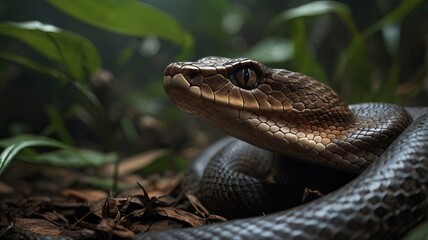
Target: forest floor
{"type": "Point", "coordinates": [39, 201]}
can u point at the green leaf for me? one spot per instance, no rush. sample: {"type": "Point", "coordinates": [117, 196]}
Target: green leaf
{"type": "Point", "coordinates": [16, 144]}
{"type": "Point", "coordinates": [271, 50]}
{"type": "Point", "coordinates": [316, 8]}
{"type": "Point", "coordinates": [127, 17]}
{"type": "Point", "coordinates": [66, 156]}
{"type": "Point", "coordinates": [76, 56]}
{"type": "Point", "coordinates": [72, 158]}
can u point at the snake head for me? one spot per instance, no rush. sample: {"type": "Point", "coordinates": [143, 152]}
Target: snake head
{"type": "Point", "coordinates": [246, 86]}
{"type": "Point", "coordinates": [270, 108]}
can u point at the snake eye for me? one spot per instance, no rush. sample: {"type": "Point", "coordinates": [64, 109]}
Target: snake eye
{"type": "Point", "coordinates": [245, 78]}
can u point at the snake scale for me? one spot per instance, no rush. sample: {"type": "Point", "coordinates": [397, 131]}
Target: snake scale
{"type": "Point", "coordinates": [299, 118]}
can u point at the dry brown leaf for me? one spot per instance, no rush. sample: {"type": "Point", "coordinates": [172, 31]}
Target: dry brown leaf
{"type": "Point", "coordinates": [160, 225]}
{"type": "Point", "coordinates": [5, 189]}
{"type": "Point", "coordinates": [87, 195]}
{"type": "Point", "coordinates": [215, 218]}
{"type": "Point", "coordinates": [197, 204]}
{"type": "Point", "coordinates": [96, 207]}
{"type": "Point", "coordinates": [139, 212]}
{"type": "Point", "coordinates": [45, 228]}
{"type": "Point", "coordinates": [53, 217]}
{"type": "Point", "coordinates": [111, 207]}
{"type": "Point", "coordinates": [38, 226]}
{"type": "Point", "coordinates": [310, 195]}
{"type": "Point", "coordinates": [199, 207]}
{"type": "Point", "coordinates": [180, 215]}
{"type": "Point", "coordinates": [109, 225]}
{"type": "Point", "coordinates": [136, 162]}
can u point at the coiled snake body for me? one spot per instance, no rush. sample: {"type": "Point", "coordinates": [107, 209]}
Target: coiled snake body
{"type": "Point", "coordinates": [301, 119]}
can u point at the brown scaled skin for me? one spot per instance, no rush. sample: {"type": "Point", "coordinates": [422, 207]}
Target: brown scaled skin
{"type": "Point", "coordinates": [284, 111]}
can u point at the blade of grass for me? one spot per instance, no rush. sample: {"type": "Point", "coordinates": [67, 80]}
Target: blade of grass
{"type": "Point", "coordinates": [315, 8]}
{"type": "Point", "coordinates": [24, 142]}
{"type": "Point", "coordinates": [271, 50]}
{"type": "Point", "coordinates": [65, 156]}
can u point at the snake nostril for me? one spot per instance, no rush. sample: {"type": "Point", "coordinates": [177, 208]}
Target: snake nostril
{"type": "Point", "coordinates": [192, 75]}
{"type": "Point", "coordinates": [190, 72]}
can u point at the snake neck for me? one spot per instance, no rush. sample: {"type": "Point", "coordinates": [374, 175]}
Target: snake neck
{"type": "Point", "coordinates": [351, 146]}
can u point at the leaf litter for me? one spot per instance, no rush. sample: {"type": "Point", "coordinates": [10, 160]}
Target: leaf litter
{"type": "Point", "coordinates": [29, 208]}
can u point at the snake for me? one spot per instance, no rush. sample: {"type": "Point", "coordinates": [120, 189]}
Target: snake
{"type": "Point", "coordinates": [276, 113]}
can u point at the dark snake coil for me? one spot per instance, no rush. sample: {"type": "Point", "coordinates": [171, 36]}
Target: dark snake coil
{"type": "Point", "coordinates": [298, 117]}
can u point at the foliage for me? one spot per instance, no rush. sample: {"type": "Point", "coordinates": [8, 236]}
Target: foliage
{"type": "Point", "coordinates": [131, 18]}
{"type": "Point", "coordinates": [71, 60]}
{"type": "Point", "coordinates": [352, 64]}
{"type": "Point", "coordinates": [77, 57]}
{"type": "Point", "coordinates": [66, 156]}
{"type": "Point", "coordinates": [74, 61]}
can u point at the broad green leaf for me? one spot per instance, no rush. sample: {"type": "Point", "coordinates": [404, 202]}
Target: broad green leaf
{"type": "Point", "coordinates": [72, 158]}
{"type": "Point", "coordinates": [128, 17]}
{"type": "Point", "coordinates": [271, 50]}
{"type": "Point", "coordinates": [16, 144]}
{"type": "Point", "coordinates": [76, 56]}
{"type": "Point", "coordinates": [315, 8]}
{"type": "Point", "coordinates": [66, 156]}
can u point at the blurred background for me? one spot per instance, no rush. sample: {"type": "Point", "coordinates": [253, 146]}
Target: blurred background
{"type": "Point", "coordinates": [83, 79]}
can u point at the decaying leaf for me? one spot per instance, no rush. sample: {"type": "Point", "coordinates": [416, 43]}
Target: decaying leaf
{"type": "Point", "coordinates": [44, 228]}
{"type": "Point", "coordinates": [310, 195]}
{"type": "Point", "coordinates": [114, 227]}
{"type": "Point", "coordinates": [180, 215]}
{"type": "Point", "coordinates": [87, 195]}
